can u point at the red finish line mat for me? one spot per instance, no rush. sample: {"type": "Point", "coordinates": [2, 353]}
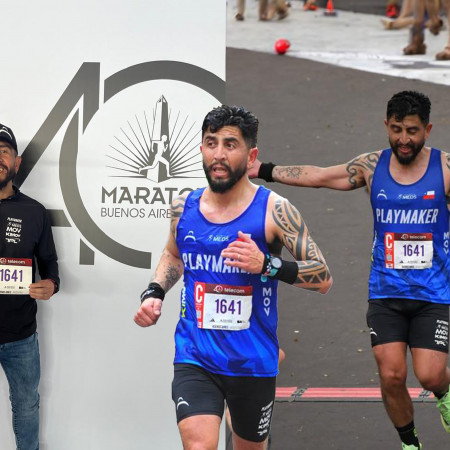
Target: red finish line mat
{"type": "Point", "coordinates": [336, 394]}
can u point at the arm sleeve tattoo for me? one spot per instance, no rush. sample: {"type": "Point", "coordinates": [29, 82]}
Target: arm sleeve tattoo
{"type": "Point", "coordinates": [312, 268]}
{"type": "Point", "coordinates": [288, 172]}
{"type": "Point", "coordinates": [169, 271]}
{"type": "Point", "coordinates": [176, 209]}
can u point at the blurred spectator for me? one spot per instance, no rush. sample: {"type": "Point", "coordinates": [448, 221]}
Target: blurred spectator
{"type": "Point", "coordinates": [445, 54]}
{"type": "Point", "coordinates": [278, 7]}
{"type": "Point", "coordinates": [266, 10]}
{"type": "Point", "coordinates": [404, 19]}
{"type": "Point", "coordinates": [241, 10]}
{"type": "Point", "coordinates": [417, 41]}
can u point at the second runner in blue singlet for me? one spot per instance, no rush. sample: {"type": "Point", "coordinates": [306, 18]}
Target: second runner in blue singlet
{"type": "Point", "coordinates": [411, 235]}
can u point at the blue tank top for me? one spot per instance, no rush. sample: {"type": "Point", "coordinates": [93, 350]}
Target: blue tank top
{"type": "Point", "coordinates": [216, 330]}
{"type": "Point", "coordinates": [411, 235]}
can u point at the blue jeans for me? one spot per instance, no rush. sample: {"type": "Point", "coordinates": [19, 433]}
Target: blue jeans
{"type": "Point", "coordinates": [20, 361]}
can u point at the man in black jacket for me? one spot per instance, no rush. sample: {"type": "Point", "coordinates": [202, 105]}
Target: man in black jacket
{"type": "Point", "coordinates": [25, 241]}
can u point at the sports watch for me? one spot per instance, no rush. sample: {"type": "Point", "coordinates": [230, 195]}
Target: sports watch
{"type": "Point", "coordinates": [272, 265]}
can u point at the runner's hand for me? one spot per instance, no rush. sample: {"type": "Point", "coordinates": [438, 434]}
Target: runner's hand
{"type": "Point", "coordinates": [42, 289]}
{"type": "Point", "coordinates": [244, 253]}
{"type": "Point", "coordinates": [149, 312]}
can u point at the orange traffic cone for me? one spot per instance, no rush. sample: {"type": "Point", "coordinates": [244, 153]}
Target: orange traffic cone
{"type": "Point", "coordinates": [329, 11]}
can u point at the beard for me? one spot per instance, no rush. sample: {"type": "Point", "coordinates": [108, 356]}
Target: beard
{"type": "Point", "coordinates": [10, 174]}
{"type": "Point", "coordinates": [221, 186]}
{"type": "Point", "coordinates": [407, 159]}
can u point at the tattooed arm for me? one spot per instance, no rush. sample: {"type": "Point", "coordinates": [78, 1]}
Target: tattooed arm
{"type": "Point", "coordinates": [287, 226]}
{"type": "Point", "coordinates": [168, 271]}
{"type": "Point", "coordinates": [284, 227]}
{"type": "Point", "coordinates": [355, 174]}
{"type": "Point", "coordinates": [170, 267]}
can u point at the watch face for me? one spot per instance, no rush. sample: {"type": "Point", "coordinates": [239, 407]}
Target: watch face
{"type": "Point", "coordinates": [276, 262]}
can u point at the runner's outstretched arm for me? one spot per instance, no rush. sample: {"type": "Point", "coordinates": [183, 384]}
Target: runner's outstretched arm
{"type": "Point", "coordinates": [352, 175]}
{"type": "Point", "coordinates": [168, 272]}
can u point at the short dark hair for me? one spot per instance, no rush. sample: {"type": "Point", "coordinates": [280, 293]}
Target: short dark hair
{"type": "Point", "coordinates": [236, 116]}
{"type": "Point", "coordinates": [409, 103]}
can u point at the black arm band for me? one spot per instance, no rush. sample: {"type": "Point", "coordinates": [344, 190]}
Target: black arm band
{"type": "Point", "coordinates": [154, 290]}
{"type": "Point", "coordinates": [265, 171]}
{"type": "Point", "coordinates": [288, 272]}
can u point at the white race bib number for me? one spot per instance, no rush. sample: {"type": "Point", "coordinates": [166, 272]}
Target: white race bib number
{"type": "Point", "coordinates": [16, 275]}
{"type": "Point", "coordinates": [223, 307]}
{"type": "Point", "coordinates": [408, 250]}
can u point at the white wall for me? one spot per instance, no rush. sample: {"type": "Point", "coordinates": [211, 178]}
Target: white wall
{"type": "Point", "coordinates": [106, 382]}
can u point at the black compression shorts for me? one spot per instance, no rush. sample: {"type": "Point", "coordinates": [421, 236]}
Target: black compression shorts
{"type": "Point", "coordinates": [195, 391]}
{"type": "Point", "coordinates": [420, 324]}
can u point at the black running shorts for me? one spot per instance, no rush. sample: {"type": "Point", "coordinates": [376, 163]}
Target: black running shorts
{"type": "Point", "coordinates": [420, 324]}
{"type": "Point", "coordinates": [195, 391]}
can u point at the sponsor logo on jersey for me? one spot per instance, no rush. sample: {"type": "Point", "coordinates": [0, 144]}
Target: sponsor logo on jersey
{"type": "Point", "coordinates": [190, 236]}
{"type": "Point", "coordinates": [218, 238]}
{"type": "Point", "coordinates": [382, 195]}
{"type": "Point", "coordinates": [407, 216]}
{"type": "Point", "coordinates": [407, 196]}
{"type": "Point", "coordinates": [210, 263]}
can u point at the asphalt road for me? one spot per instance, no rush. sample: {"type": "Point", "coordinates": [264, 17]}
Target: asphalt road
{"type": "Point", "coordinates": [313, 113]}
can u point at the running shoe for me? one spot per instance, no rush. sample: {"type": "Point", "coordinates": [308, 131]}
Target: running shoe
{"type": "Point", "coordinates": [444, 407]}
{"type": "Point", "coordinates": [411, 447]}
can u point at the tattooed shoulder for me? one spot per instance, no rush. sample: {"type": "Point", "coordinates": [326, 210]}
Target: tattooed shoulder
{"type": "Point", "coordinates": [176, 210]}
{"type": "Point", "coordinates": [447, 160]}
{"type": "Point", "coordinates": [289, 222]}
{"type": "Point", "coordinates": [362, 168]}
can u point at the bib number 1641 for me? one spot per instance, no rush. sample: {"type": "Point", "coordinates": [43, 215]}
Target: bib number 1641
{"type": "Point", "coordinates": [223, 307]}
{"type": "Point", "coordinates": [408, 250]}
{"type": "Point", "coordinates": [15, 275]}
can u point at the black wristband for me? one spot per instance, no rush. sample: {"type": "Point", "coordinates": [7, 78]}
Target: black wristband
{"type": "Point", "coordinates": [154, 290]}
{"type": "Point", "coordinates": [265, 171]}
{"type": "Point", "coordinates": [288, 272]}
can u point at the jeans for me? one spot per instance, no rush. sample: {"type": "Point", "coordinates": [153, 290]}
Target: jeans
{"type": "Point", "coordinates": [20, 361]}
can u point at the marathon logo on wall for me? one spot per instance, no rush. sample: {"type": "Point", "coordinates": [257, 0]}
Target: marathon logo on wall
{"type": "Point", "coordinates": [154, 152]}
{"type": "Point", "coordinates": [125, 157]}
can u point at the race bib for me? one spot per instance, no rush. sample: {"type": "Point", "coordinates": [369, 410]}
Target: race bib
{"type": "Point", "coordinates": [223, 307]}
{"type": "Point", "coordinates": [16, 275]}
{"type": "Point", "coordinates": [408, 250]}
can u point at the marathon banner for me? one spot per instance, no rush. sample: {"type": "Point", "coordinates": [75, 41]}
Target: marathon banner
{"type": "Point", "coordinates": [106, 100]}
